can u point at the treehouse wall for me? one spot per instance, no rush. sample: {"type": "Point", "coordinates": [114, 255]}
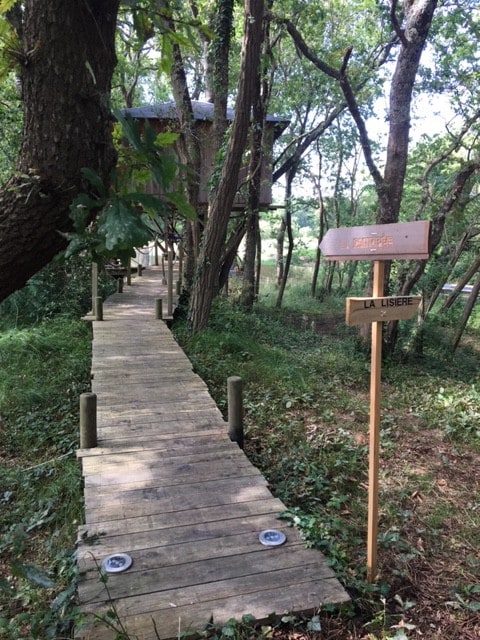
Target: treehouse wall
{"type": "Point", "coordinates": [162, 118]}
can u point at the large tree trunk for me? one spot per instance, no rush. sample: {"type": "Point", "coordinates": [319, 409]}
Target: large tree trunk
{"type": "Point", "coordinates": [66, 75]}
{"type": "Point", "coordinates": [418, 18]}
{"type": "Point", "coordinates": [206, 283]}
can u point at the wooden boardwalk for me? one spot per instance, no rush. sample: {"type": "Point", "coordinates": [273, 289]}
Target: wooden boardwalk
{"type": "Point", "coordinates": [167, 487]}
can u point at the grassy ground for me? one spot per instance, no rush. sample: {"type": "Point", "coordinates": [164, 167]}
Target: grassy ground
{"type": "Point", "coordinates": [307, 406]}
{"type": "Point", "coordinates": [306, 382]}
{"type": "Point", "coordinates": [45, 355]}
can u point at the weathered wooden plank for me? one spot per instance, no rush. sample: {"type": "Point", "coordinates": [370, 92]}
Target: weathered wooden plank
{"type": "Point", "coordinates": [156, 474]}
{"type": "Point", "coordinates": [177, 498]}
{"type": "Point", "coordinates": [186, 517]}
{"type": "Point", "coordinates": [163, 442]}
{"type": "Point", "coordinates": [183, 544]}
{"type": "Point", "coordinates": [137, 459]}
{"type": "Point", "coordinates": [173, 620]}
{"type": "Point", "coordinates": [224, 568]}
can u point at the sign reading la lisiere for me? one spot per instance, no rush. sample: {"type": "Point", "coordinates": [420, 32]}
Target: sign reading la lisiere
{"type": "Point", "coordinates": [364, 310]}
{"type": "Point", "coordinates": [403, 240]}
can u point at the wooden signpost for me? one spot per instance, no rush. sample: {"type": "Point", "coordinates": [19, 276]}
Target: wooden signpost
{"type": "Point", "coordinates": [402, 241]}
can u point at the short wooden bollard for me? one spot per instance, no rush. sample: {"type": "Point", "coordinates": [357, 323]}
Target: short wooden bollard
{"type": "Point", "coordinates": [158, 308]}
{"type": "Point", "coordinates": [178, 287]}
{"type": "Point", "coordinates": [98, 308]}
{"type": "Point", "coordinates": [139, 269]}
{"type": "Point", "coordinates": [235, 409]}
{"type": "Point", "coordinates": [119, 285]}
{"type": "Point", "coordinates": [88, 420]}
{"type": "Point", "coordinates": [129, 275]}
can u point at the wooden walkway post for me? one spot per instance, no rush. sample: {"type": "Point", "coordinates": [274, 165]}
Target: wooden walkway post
{"type": "Point", "coordinates": [88, 420]}
{"type": "Point", "coordinates": [94, 285]}
{"type": "Point", "coordinates": [170, 283]}
{"type": "Point", "coordinates": [129, 273]}
{"type": "Point", "coordinates": [235, 409]}
{"type": "Point", "coordinates": [120, 284]}
{"type": "Point", "coordinates": [181, 252]}
{"type": "Point", "coordinates": [98, 308]}
{"type": "Point", "coordinates": [158, 308]}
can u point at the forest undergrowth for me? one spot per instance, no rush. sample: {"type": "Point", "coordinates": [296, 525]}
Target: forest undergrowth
{"type": "Point", "coordinates": [306, 399]}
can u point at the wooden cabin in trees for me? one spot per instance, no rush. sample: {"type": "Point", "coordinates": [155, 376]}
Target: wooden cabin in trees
{"type": "Point", "coordinates": [163, 117]}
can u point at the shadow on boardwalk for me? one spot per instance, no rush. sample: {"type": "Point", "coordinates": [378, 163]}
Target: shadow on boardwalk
{"type": "Point", "coordinates": [167, 487]}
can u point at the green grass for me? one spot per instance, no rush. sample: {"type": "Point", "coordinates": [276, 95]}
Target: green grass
{"type": "Point", "coordinates": [43, 371]}
{"type": "Point", "coordinates": [44, 367]}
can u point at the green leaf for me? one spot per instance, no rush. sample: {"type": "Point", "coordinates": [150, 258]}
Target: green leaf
{"type": "Point", "coordinates": [130, 129]}
{"type": "Point", "coordinates": [166, 138]}
{"type": "Point", "coordinates": [122, 227]}
{"type": "Point", "coordinates": [180, 202]}
{"type": "Point", "coordinates": [32, 573]}
{"type": "Point", "coordinates": [94, 179]}
{"type": "Point", "coordinates": [6, 5]}
{"type": "Point", "coordinates": [147, 201]}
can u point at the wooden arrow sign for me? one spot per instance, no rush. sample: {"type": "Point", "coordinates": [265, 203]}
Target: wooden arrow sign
{"type": "Point", "coordinates": [403, 240]}
{"type": "Point", "coordinates": [362, 310]}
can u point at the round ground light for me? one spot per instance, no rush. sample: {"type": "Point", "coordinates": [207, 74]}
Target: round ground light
{"type": "Point", "coordinates": [117, 562]}
{"type": "Point", "coordinates": [272, 538]}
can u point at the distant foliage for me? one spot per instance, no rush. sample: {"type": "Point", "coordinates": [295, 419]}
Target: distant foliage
{"type": "Point", "coordinates": [63, 288]}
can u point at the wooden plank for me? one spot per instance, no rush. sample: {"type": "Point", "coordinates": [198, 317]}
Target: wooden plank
{"type": "Point", "coordinates": [152, 581]}
{"type": "Point", "coordinates": [173, 620]}
{"type": "Point", "coordinates": [128, 479]}
{"type": "Point", "coordinates": [212, 439]}
{"type": "Point", "coordinates": [143, 502]}
{"type": "Point", "coordinates": [136, 459]}
{"type": "Point", "coordinates": [186, 517]}
{"type": "Point", "coordinates": [184, 544]}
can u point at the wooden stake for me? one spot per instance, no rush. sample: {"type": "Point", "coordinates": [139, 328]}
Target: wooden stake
{"type": "Point", "coordinates": [88, 420]}
{"type": "Point", "coordinates": [94, 285]}
{"type": "Point", "coordinates": [170, 283]}
{"type": "Point", "coordinates": [375, 399]}
{"type": "Point", "coordinates": [235, 409]}
{"type": "Point", "coordinates": [158, 308]}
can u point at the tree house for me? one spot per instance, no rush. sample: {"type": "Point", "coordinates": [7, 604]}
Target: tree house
{"type": "Point", "coordinates": [163, 117]}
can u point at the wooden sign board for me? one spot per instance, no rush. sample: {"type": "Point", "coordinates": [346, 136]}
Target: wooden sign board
{"type": "Point", "coordinates": [363, 310]}
{"type": "Point", "coordinates": [403, 240]}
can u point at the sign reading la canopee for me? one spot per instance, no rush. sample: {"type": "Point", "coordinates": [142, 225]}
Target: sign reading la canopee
{"type": "Point", "coordinates": [402, 241]}
{"type": "Point", "coordinates": [405, 240]}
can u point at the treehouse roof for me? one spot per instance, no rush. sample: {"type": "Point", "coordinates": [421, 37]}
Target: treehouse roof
{"type": "Point", "coordinates": [202, 111]}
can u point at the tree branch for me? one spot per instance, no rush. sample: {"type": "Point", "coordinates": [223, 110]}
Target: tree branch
{"type": "Point", "coordinates": [395, 24]}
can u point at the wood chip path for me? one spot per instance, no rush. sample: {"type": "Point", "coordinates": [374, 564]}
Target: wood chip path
{"type": "Point", "coordinates": [166, 486]}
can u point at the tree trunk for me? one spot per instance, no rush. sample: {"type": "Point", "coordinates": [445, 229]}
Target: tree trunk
{"type": "Point", "coordinates": [458, 289]}
{"type": "Point", "coordinates": [451, 264]}
{"type": "Point", "coordinates": [288, 221]}
{"type": "Point", "coordinates": [466, 314]}
{"type": "Point", "coordinates": [418, 18]}
{"type": "Point", "coordinates": [206, 283]}
{"type": "Point", "coordinates": [321, 226]}
{"type": "Point", "coordinates": [66, 79]}
{"type": "Point", "coordinates": [279, 263]}
{"type": "Point", "coordinates": [254, 183]}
